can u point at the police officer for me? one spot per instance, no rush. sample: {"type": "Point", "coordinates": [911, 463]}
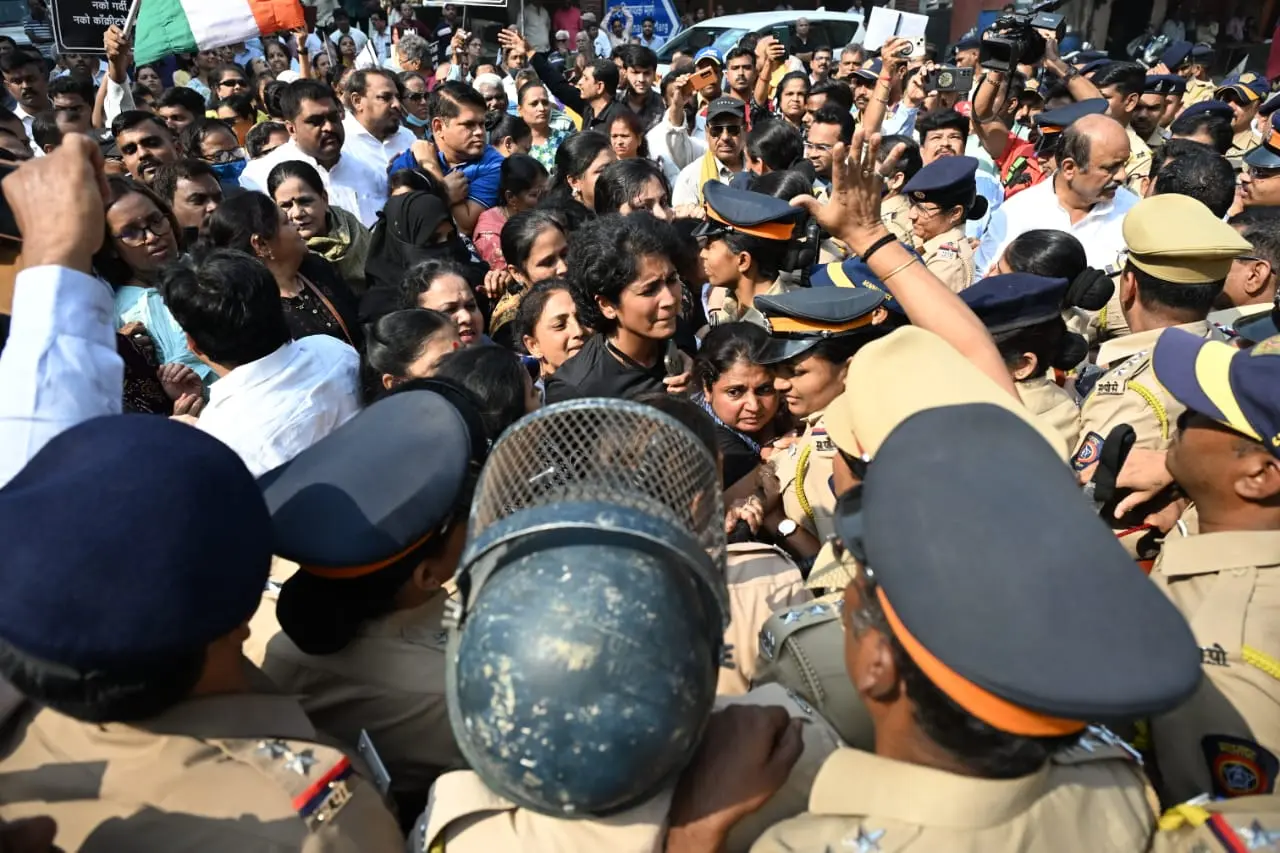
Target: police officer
{"type": "Point", "coordinates": [1226, 579]}
{"type": "Point", "coordinates": [146, 729]}
{"type": "Point", "coordinates": [1244, 94]}
{"type": "Point", "coordinates": [1260, 179]}
{"type": "Point", "coordinates": [943, 196]}
{"type": "Point", "coordinates": [1024, 315]}
{"type": "Point", "coordinates": [1179, 257]}
{"type": "Point", "coordinates": [375, 515]}
{"type": "Point", "coordinates": [1148, 120]}
{"type": "Point", "coordinates": [1035, 637]}
{"type": "Point", "coordinates": [813, 332]}
{"type": "Point", "coordinates": [1192, 63]}
{"type": "Point", "coordinates": [745, 239]}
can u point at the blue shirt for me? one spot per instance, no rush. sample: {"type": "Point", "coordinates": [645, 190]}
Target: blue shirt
{"type": "Point", "coordinates": [483, 174]}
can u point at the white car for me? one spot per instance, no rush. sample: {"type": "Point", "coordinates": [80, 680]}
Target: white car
{"type": "Point", "coordinates": [832, 29]}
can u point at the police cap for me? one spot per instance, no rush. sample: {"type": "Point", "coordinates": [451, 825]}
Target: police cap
{"type": "Point", "coordinates": [1164, 84]}
{"type": "Point", "coordinates": [1035, 631]}
{"type": "Point", "coordinates": [1084, 57]}
{"type": "Point", "coordinates": [375, 490]}
{"type": "Point", "coordinates": [1212, 107]}
{"type": "Point", "coordinates": [801, 319]}
{"type": "Point", "coordinates": [1176, 54]}
{"type": "Point", "coordinates": [1016, 300]}
{"type": "Point", "coordinates": [1090, 67]}
{"type": "Point", "coordinates": [1267, 155]}
{"type": "Point", "coordinates": [969, 43]}
{"type": "Point", "coordinates": [1057, 120]}
{"type": "Point", "coordinates": [947, 182]}
{"type": "Point", "coordinates": [1201, 54]}
{"type": "Point", "coordinates": [906, 372]}
{"type": "Point", "coordinates": [853, 272]}
{"type": "Point", "coordinates": [1178, 240]}
{"type": "Point", "coordinates": [1248, 87]}
{"type": "Point", "coordinates": [112, 566]}
{"type": "Point", "coordinates": [751, 213]}
{"type": "Point", "coordinates": [871, 72]}
{"type": "Point", "coordinates": [1235, 387]}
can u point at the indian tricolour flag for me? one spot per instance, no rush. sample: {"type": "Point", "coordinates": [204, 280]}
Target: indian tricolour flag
{"type": "Point", "coordinates": [185, 26]}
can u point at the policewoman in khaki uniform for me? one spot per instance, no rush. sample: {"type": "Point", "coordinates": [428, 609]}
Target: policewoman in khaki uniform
{"type": "Point", "coordinates": [375, 516]}
{"type": "Point", "coordinates": [1012, 646]}
{"type": "Point", "coordinates": [146, 729]}
{"type": "Point", "coordinates": [1226, 582]}
{"type": "Point", "coordinates": [813, 332]}
{"type": "Point", "coordinates": [943, 196]}
{"type": "Point", "coordinates": [1024, 315]}
{"type": "Point", "coordinates": [1174, 242]}
{"type": "Point", "coordinates": [745, 240]}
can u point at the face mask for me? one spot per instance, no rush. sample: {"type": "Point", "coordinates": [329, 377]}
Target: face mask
{"type": "Point", "coordinates": [413, 121]}
{"type": "Point", "coordinates": [1020, 130]}
{"type": "Point", "coordinates": [229, 173]}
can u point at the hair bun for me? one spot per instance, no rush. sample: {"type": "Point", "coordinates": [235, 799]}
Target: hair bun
{"type": "Point", "coordinates": [1091, 290]}
{"type": "Point", "coordinates": [1073, 350]}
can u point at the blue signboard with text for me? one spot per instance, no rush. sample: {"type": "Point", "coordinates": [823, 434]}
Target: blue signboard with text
{"type": "Point", "coordinates": [666, 22]}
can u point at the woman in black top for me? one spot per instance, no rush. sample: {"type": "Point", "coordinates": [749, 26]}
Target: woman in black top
{"type": "Point", "coordinates": [738, 392]}
{"type": "Point", "coordinates": [315, 299]}
{"type": "Point", "coordinates": [627, 290]}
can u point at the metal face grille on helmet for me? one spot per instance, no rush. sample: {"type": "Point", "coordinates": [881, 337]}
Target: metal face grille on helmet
{"type": "Point", "coordinates": [615, 452]}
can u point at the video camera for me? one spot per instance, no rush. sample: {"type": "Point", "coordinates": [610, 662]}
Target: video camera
{"type": "Point", "coordinates": [1015, 39]}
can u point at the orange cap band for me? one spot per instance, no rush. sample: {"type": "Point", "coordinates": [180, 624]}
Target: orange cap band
{"type": "Point", "coordinates": [986, 706]}
{"type": "Point", "coordinates": [767, 230]}
{"type": "Point", "coordinates": [791, 324]}
{"type": "Point", "coordinates": [349, 572]}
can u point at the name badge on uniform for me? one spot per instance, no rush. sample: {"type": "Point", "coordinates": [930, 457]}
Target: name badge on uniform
{"type": "Point", "coordinates": [381, 778]}
{"type": "Point", "coordinates": [948, 252]}
{"type": "Point", "coordinates": [1109, 387]}
{"type": "Point", "coordinates": [822, 442]}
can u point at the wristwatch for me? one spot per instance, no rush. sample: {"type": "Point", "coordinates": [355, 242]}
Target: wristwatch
{"type": "Point", "coordinates": [787, 527]}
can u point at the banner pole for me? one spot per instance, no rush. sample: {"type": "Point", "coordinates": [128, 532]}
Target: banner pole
{"type": "Point", "coordinates": [131, 20]}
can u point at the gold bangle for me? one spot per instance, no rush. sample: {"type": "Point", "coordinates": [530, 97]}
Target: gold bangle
{"type": "Point", "coordinates": [886, 278]}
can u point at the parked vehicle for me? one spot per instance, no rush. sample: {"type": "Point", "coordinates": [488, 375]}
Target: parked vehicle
{"type": "Point", "coordinates": [834, 29]}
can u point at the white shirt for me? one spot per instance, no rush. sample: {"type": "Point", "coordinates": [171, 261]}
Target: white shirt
{"type": "Point", "coordinates": [654, 43]}
{"type": "Point", "coordinates": [381, 42]}
{"type": "Point", "coordinates": [60, 366]}
{"type": "Point", "coordinates": [604, 47]}
{"type": "Point", "coordinates": [352, 184]}
{"type": "Point", "coordinates": [537, 27]}
{"type": "Point", "coordinates": [270, 410]}
{"type": "Point", "coordinates": [1099, 231]}
{"type": "Point", "coordinates": [27, 120]}
{"type": "Point", "coordinates": [358, 37]}
{"type": "Point", "coordinates": [688, 188]}
{"type": "Point", "coordinates": [364, 146]}
{"type": "Point", "coordinates": [673, 147]}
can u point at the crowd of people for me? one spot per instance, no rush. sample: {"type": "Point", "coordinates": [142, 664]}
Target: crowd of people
{"type": "Point", "coordinates": [402, 445]}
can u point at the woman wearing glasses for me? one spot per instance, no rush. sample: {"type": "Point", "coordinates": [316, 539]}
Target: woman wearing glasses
{"type": "Point", "coordinates": [414, 101]}
{"type": "Point", "coordinates": [142, 236]}
{"type": "Point", "coordinates": [943, 196]}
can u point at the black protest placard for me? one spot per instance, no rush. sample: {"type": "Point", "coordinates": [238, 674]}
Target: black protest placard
{"type": "Point", "coordinates": [78, 25]}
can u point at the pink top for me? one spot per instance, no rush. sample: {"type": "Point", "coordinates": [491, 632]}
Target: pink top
{"type": "Point", "coordinates": [488, 237]}
{"type": "Point", "coordinates": [568, 18]}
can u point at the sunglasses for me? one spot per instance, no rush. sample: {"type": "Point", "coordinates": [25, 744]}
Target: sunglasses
{"type": "Point", "coordinates": [717, 130]}
{"type": "Point", "coordinates": [235, 82]}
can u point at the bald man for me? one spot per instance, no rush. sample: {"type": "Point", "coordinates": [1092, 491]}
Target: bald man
{"type": "Point", "coordinates": [1089, 185]}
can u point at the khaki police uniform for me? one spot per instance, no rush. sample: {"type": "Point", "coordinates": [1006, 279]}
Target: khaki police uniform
{"type": "Point", "coordinates": [804, 474]}
{"type": "Point", "coordinates": [1225, 739]}
{"type": "Point", "coordinates": [1093, 798]}
{"type": "Point", "coordinates": [1197, 91]}
{"type": "Point", "coordinates": [950, 258]}
{"type": "Point", "coordinates": [464, 816]}
{"type": "Point", "coordinates": [389, 681]}
{"type": "Point", "coordinates": [1128, 393]}
{"type": "Point", "coordinates": [762, 579]}
{"type": "Point", "coordinates": [894, 213]}
{"type": "Point", "coordinates": [235, 772]}
{"type": "Point", "coordinates": [1138, 166]}
{"type": "Point", "coordinates": [723, 307]}
{"type": "Point", "coordinates": [1052, 404]}
{"type": "Point", "coordinates": [1246, 823]}
{"type": "Point", "coordinates": [1241, 144]}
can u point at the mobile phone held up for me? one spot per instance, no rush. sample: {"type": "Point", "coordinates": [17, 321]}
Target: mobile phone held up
{"type": "Point", "coordinates": [700, 79]}
{"type": "Point", "coordinates": [949, 78]}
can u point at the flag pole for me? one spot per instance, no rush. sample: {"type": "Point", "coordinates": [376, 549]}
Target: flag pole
{"type": "Point", "coordinates": [131, 20]}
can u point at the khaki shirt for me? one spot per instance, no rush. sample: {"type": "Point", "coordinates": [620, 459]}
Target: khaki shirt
{"type": "Point", "coordinates": [1082, 800]}
{"type": "Point", "coordinates": [1138, 166]}
{"type": "Point", "coordinates": [1227, 585]}
{"type": "Point", "coordinates": [950, 258]}
{"type": "Point", "coordinates": [723, 307]}
{"type": "Point", "coordinates": [1128, 393]}
{"type": "Point", "coordinates": [236, 772]}
{"type": "Point", "coordinates": [464, 816]}
{"type": "Point", "coordinates": [1054, 405]}
{"type": "Point", "coordinates": [762, 579]}
{"type": "Point", "coordinates": [894, 213]}
{"type": "Point", "coordinates": [813, 452]}
{"type": "Point", "coordinates": [1253, 821]}
{"type": "Point", "coordinates": [388, 681]}
{"type": "Point", "coordinates": [1242, 143]}
{"type": "Point", "coordinates": [1197, 91]}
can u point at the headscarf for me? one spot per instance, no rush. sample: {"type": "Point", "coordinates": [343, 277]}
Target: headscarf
{"type": "Point", "coordinates": [401, 238]}
{"type": "Point", "coordinates": [346, 246]}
